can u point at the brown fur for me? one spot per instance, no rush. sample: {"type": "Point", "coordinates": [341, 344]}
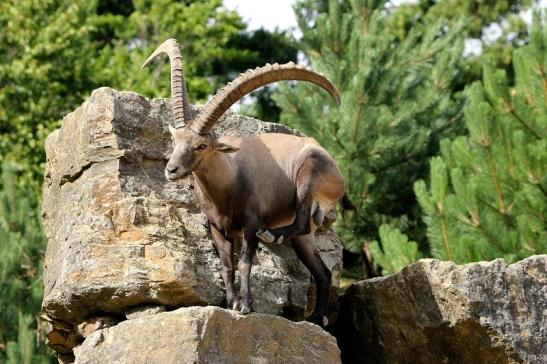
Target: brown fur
{"type": "Point", "coordinates": [277, 182]}
{"type": "Point", "coordinates": [272, 186]}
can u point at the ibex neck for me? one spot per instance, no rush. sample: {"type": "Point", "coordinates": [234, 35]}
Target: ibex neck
{"type": "Point", "coordinates": [215, 176]}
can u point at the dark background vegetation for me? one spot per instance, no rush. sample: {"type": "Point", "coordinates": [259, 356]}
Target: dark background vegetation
{"type": "Point", "coordinates": [443, 149]}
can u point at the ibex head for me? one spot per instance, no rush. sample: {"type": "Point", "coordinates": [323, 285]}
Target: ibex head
{"type": "Point", "coordinates": [190, 149]}
{"type": "Point", "coordinates": [192, 137]}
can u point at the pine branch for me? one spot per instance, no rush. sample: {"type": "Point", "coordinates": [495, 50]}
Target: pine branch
{"type": "Point", "coordinates": [406, 158]}
{"type": "Point", "coordinates": [444, 236]}
{"type": "Point", "coordinates": [502, 214]}
{"type": "Point", "coordinates": [493, 174]}
{"type": "Point", "coordinates": [524, 124]}
{"type": "Point", "coordinates": [540, 187]}
{"type": "Point", "coordinates": [357, 118]}
{"type": "Point", "coordinates": [490, 238]}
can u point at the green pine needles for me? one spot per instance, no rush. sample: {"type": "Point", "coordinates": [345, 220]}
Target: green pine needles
{"type": "Point", "coordinates": [395, 251]}
{"type": "Point", "coordinates": [487, 196]}
{"type": "Point", "coordinates": [22, 244]}
{"type": "Point", "coordinates": [397, 103]}
{"type": "Point", "coordinates": [402, 111]}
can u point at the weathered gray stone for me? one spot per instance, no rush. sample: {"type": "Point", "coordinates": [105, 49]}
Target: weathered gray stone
{"type": "Point", "coordinates": [209, 335]}
{"type": "Point", "coordinates": [120, 235]}
{"type": "Point", "coordinates": [439, 312]}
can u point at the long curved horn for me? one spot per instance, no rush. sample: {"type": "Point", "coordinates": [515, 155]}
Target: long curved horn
{"type": "Point", "coordinates": [179, 95]}
{"type": "Point", "coordinates": [250, 81]}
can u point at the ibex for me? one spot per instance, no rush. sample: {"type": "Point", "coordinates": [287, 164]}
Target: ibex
{"type": "Point", "coordinates": [271, 187]}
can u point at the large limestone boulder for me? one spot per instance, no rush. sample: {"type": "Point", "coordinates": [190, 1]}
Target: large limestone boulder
{"type": "Point", "coordinates": [209, 335]}
{"type": "Point", "coordinates": [119, 235]}
{"type": "Point", "coordinates": [439, 312]}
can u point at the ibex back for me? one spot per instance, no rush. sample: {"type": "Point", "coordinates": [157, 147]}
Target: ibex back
{"type": "Point", "coordinates": [269, 187]}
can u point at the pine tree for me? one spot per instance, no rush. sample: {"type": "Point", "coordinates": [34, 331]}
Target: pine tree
{"type": "Point", "coordinates": [22, 245]}
{"type": "Point", "coordinates": [397, 102]}
{"type": "Point", "coordinates": [487, 196]}
{"type": "Point", "coordinates": [482, 16]}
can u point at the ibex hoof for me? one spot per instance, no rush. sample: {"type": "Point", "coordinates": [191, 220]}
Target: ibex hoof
{"type": "Point", "coordinates": [245, 309]}
{"type": "Point", "coordinates": [280, 239]}
{"type": "Point", "coordinates": [331, 215]}
{"type": "Point", "coordinates": [235, 305]}
{"type": "Point", "coordinates": [319, 216]}
{"type": "Point", "coordinates": [265, 235]}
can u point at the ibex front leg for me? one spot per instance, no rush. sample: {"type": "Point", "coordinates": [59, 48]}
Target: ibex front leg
{"type": "Point", "coordinates": [248, 252]}
{"type": "Point", "coordinates": [225, 250]}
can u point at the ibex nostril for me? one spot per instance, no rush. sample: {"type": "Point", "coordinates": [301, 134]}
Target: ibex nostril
{"type": "Point", "coordinates": [172, 170]}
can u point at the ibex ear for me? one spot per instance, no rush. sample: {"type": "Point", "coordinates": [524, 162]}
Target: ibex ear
{"type": "Point", "coordinates": [226, 148]}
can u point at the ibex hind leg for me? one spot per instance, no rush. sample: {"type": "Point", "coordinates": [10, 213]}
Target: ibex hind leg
{"type": "Point", "coordinates": [301, 225]}
{"type": "Point", "coordinates": [308, 253]}
{"type": "Point", "coordinates": [305, 190]}
{"type": "Point", "coordinates": [318, 214]}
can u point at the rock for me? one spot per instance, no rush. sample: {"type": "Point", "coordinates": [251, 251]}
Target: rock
{"type": "Point", "coordinates": [209, 335]}
{"type": "Point", "coordinates": [62, 341]}
{"type": "Point", "coordinates": [140, 311]}
{"type": "Point", "coordinates": [65, 358]}
{"type": "Point", "coordinates": [439, 312]}
{"type": "Point", "coordinates": [93, 324]}
{"type": "Point", "coordinates": [120, 235]}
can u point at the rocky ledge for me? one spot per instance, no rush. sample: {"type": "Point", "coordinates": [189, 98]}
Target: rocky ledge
{"type": "Point", "coordinates": [209, 335]}
{"type": "Point", "coordinates": [439, 312]}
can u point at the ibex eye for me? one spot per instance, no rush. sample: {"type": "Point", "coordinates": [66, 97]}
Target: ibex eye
{"type": "Point", "coordinates": [202, 146]}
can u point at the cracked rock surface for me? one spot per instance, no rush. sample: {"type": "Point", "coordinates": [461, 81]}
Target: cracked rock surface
{"type": "Point", "coordinates": [439, 312]}
{"type": "Point", "coordinates": [209, 335]}
{"type": "Point", "coordinates": [120, 235]}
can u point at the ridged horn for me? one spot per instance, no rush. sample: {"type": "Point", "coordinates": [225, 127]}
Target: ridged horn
{"type": "Point", "coordinates": [179, 95]}
{"type": "Point", "coordinates": [250, 81]}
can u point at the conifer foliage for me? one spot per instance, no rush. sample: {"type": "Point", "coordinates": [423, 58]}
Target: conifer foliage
{"type": "Point", "coordinates": [22, 245]}
{"type": "Point", "coordinates": [395, 252]}
{"type": "Point", "coordinates": [54, 53]}
{"type": "Point", "coordinates": [488, 191]}
{"type": "Point", "coordinates": [397, 102]}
